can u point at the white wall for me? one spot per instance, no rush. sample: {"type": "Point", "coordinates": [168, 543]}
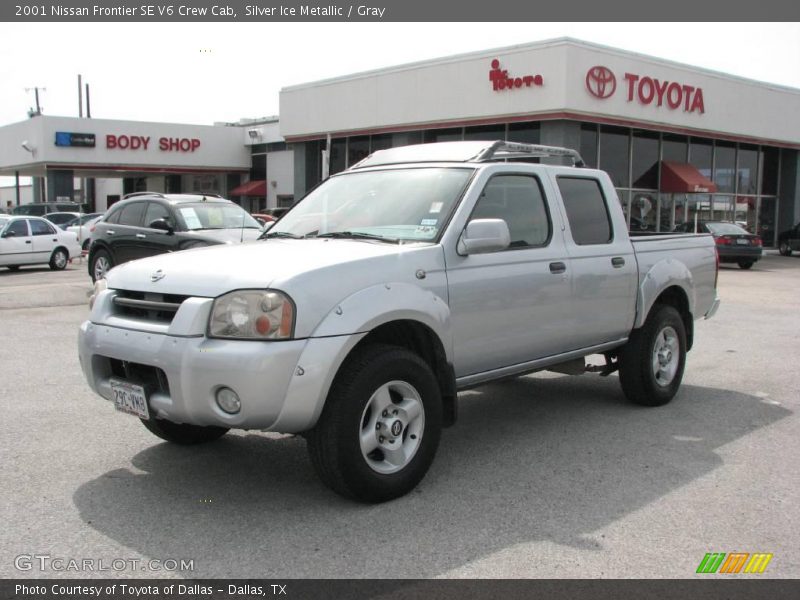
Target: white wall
{"type": "Point", "coordinates": [105, 188]}
{"type": "Point", "coordinates": [280, 171]}
{"type": "Point", "coordinates": [9, 194]}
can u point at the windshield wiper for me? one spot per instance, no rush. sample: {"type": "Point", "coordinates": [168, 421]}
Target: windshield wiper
{"type": "Point", "coordinates": [357, 235]}
{"type": "Point", "coordinates": [280, 234]}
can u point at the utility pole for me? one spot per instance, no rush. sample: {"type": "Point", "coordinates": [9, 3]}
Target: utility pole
{"type": "Point", "coordinates": [38, 111]}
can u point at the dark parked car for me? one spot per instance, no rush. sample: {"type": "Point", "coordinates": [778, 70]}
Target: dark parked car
{"type": "Point", "coordinates": [61, 219]}
{"type": "Point", "coordinates": [148, 223]}
{"type": "Point", "coordinates": [789, 241]}
{"type": "Point", "coordinates": [734, 244]}
{"type": "Point", "coordinates": [42, 208]}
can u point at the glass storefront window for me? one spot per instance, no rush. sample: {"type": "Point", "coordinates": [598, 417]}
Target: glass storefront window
{"type": "Point", "coordinates": [357, 149]}
{"type": "Point", "coordinates": [700, 153]}
{"type": "Point", "coordinates": [614, 153]}
{"type": "Point", "coordinates": [442, 135]}
{"type": "Point", "coordinates": [747, 170]}
{"type": "Point", "coordinates": [724, 166]}
{"type": "Point", "coordinates": [588, 147]}
{"type": "Point", "coordinates": [485, 132]}
{"type": "Point", "coordinates": [674, 148]}
{"type": "Point", "coordinates": [525, 133]}
{"type": "Point", "coordinates": [769, 170]}
{"type": "Point", "coordinates": [645, 160]}
{"type": "Point", "coordinates": [337, 157]}
{"type": "Point", "coordinates": [406, 138]}
{"type": "Point", "coordinates": [381, 142]}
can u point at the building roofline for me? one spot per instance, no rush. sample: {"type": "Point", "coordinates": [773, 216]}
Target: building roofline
{"type": "Point", "coordinates": [559, 41]}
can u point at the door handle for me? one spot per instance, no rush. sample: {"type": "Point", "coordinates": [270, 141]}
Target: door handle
{"type": "Point", "coordinates": [141, 236]}
{"type": "Point", "coordinates": [55, 239]}
{"type": "Point", "coordinates": [557, 267]}
{"type": "Point", "coordinates": [618, 262]}
{"type": "Point", "coordinates": [27, 241]}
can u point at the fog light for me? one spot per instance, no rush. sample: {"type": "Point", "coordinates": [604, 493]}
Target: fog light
{"type": "Point", "coordinates": [228, 400]}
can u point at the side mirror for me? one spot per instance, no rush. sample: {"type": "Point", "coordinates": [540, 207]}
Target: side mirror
{"type": "Point", "coordinates": [482, 236]}
{"type": "Point", "coordinates": [8, 234]}
{"type": "Point", "coordinates": [161, 225]}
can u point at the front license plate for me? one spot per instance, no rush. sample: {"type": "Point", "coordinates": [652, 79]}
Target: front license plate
{"type": "Point", "coordinates": [742, 242]}
{"type": "Point", "coordinates": [130, 398]}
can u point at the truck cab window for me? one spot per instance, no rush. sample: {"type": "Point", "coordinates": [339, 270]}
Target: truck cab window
{"type": "Point", "coordinates": [586, 208]}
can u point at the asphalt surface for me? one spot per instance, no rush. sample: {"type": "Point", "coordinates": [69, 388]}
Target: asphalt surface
{"type": "Point", "coordinates": [543, 476]}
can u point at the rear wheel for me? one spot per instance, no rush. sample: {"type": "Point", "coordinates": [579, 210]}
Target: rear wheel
{"type": "Point", "coordinates": [380, 428]}
{"type": "Point", "coordinates": [652, 362]}
{"type": "Point", "coordinates": [745, 264]}
{"type": "Point", "coordinates": [59, 259]}
{"type": "Point", "coordinates": [182, 433]}
{"type": "Point", "coordinates": [101, 263]}
{"type": "Point", "coordinates": [785, 249]}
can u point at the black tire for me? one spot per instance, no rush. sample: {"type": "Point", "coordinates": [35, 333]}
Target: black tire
{"type": "Point", "coordinates": [59, 259]}
{"type": "Point", "coordinates": [636, 372]}
{"type": "Point", "coordinates": [85, 245]}
{"type": "Point", "coordinates": [97, 260]}
{"type": "Point", "coordinates": [334, 445]}
{"type": "Point", "coordinates": [745, 264]}
{"type": "Point", "coordinates": [785, 249]}
{"type": "Point", "coordinates": [13, 267]}
{"type": "Point", "coordinates": [181, 433]}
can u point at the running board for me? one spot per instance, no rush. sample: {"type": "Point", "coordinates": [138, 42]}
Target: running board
{"type": "Point", "coordinates": [540, 364]}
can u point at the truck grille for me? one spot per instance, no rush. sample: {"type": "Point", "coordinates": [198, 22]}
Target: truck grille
{"type": "Point", "coordinates": [147, 306]}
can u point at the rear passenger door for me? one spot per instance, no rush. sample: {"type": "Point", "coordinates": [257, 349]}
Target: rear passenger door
{"type": "Point", "coordinates": [45, 239]}
{"type": "Point", "coordinates": [126, 235]}
{"type": "Point", "coordinates": [604, 271]}
{"type": "Point", "coordinates": [510, 307]}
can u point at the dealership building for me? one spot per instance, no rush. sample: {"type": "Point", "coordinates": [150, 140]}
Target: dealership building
{"type": "Point", "coordinates": [679, 142]}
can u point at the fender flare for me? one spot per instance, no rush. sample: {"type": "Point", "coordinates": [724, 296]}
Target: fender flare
{"type": "Point", "coordinates": [662, 275]}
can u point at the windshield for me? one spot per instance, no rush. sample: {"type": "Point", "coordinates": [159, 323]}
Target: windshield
{"type": "Point", "coordinates": [725, 229]}
{"type": "Point", "coordinates": [393, 205]}
{"type": "Point", "coordinates": [215, 215]}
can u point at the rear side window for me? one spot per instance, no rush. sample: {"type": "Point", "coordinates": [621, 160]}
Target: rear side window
{"type": "Point", "coordinates": [41, 227]}
{"type": "Point", "coordinates": [518, 200]}
{"type": "Point", "coordinates": [132, 214]}
{"type": "Point", "coordinates": [586, 208]}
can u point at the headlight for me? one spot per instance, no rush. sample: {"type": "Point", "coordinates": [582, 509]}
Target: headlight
{"type": "Point", "coordinates": [99, 286]}
{"type": "Point", "coordinates": [252, 315]}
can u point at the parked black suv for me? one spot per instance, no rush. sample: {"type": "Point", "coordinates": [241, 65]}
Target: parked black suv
{"type": "Point", "coordinates": [148, 223]}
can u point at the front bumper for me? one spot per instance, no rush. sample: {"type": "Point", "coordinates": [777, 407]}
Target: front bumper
{"type": "Point", "coordinates": [281, 385]}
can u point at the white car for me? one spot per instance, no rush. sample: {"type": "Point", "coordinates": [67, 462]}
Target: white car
{"type": "Point", "coordinates": [82, 227]}
{"type": "Point", "coordinates": [28, 240]}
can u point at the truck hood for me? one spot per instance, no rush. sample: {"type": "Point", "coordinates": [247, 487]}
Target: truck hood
{"type": "Point", "coordinates": [209, 272]}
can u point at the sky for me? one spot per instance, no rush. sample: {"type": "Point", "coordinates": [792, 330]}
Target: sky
{"type": "Point", "coordinates": [202, 73]}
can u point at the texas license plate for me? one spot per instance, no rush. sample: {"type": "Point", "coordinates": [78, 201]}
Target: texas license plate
{"type": "Point", "coordinates": [130, 398]}
{"type": "Point", "coordinates": [743, 242]}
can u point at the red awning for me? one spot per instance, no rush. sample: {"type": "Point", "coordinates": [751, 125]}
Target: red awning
{"type": "Point", "coordinates": [683, 178]}
{"type": "Point", "coordinates": [251, 188]}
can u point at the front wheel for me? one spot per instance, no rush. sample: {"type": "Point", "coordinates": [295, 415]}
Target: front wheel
{"type": "Point", "coordinates": [380, 428]}
{"type": "Point", "coordinates": [652, 362]}
{"type": "Point", "coordinates": [59, 259]}
{"type": "Point", "coordinates": [785, 249]}
{"type": "Point", "coordinates": [182, 433]}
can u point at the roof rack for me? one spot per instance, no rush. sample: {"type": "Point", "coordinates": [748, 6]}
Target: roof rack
{"type": "Point", "coordinates": [134, 194]}
{"type": "Point", "coordinates": [502, 150]}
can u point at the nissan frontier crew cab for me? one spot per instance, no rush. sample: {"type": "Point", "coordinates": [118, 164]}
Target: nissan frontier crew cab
{"type": "Point", "coordinates": [419, 272]}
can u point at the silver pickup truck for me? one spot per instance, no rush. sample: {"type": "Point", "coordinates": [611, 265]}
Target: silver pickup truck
{"type": "Point", "coordinates": [419, 272]}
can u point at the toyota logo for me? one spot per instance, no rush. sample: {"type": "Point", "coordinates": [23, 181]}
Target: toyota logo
{"type": "Point", "coordinates": [600, 82]}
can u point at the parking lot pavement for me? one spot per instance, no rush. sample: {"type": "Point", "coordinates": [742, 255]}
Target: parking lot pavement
{"type": "Point", "coordinates": [39, 286]}
{"type": "Point", "coordinates": [543, 476]}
